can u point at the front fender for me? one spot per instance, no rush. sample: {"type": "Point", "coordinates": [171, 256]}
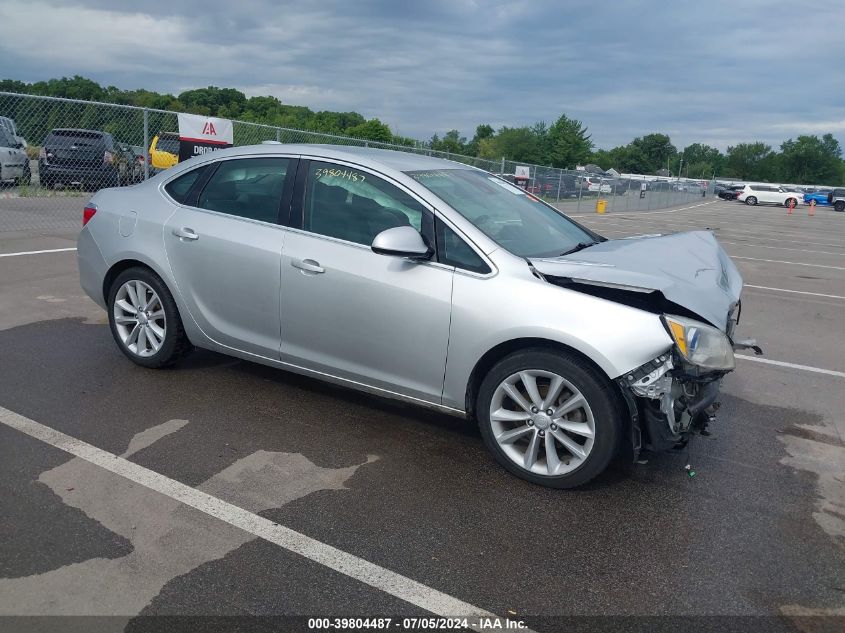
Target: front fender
{"type": "Point", "coordinates": [489, 312]}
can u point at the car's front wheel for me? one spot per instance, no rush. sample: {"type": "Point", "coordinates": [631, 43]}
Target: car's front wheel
{"type": "Point", "coordinates": [751, 200]}
{"type": "Point", "coordinates": [791, 202]}
{"type": "Point", "coordinates": [549, 417]}
{"type": "Point", "coordinates": [144, 319]}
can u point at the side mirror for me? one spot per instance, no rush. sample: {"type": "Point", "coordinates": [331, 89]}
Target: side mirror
{"type": "Point", "coordinates": [401, 241]}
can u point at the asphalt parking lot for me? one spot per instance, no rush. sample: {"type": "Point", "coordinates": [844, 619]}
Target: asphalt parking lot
{"type": "Point", "coordinates": [395, 501]}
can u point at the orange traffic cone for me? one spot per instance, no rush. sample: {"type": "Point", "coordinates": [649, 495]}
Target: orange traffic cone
{"type": "Point", "coordinates": [812, 207]}
{"type": "Point", "coordinates": [791, 206]}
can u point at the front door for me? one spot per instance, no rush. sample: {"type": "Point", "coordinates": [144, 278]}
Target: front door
{"type": "Point", "coordinates": [225, 252]}
{"type": "Point", "coordinates": [348, 312]}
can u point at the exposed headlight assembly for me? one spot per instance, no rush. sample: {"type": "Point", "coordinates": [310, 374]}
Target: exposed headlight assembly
{"type": "Point", "coordinates": [700, 344]}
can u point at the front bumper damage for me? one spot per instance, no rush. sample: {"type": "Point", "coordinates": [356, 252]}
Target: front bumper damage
{"type": "Point", "coordinates": [668, 401]}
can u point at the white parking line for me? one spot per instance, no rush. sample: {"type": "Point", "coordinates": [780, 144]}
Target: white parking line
{"type": "Point", "coordinates": [779, 261]}
{"type": "Point", "coordinates": [781, 248]}
{"type": "Point", "coordinates": [798, 292]}
{"type": "Point", "coordinates": [347, 564]}
{"type": "Point", "coordinates": [49, 250]}
{"type": "Point", "coordinates": [635, 214]}
{"type": "Point", "coordinates": [780, 363]}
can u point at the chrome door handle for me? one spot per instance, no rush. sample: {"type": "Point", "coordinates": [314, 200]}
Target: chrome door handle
{"type": "Point", "coordinates": [308, 265]}
{"type": "Point", "coordinates": [186, 234]}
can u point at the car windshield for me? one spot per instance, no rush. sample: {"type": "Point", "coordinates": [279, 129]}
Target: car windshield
{"type": "Point", "coordinates": [508, 215]}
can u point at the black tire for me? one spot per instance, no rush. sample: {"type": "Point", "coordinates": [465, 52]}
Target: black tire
{"type": "Point", "coordinates": [595, 387]}
{"type": "Point", "coordinates": [839, 205]}
{"type": "Point", "coordinates": [26, 178]}
{"type": "Point", "coordinates": [175, 344]}
{"type": "Point", "coordinates": [788, 200]}
{"type": "Point", "coordinates": [751, 200]}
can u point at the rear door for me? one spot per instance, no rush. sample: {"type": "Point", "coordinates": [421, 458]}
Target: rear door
{"type": "Point", "coordinates": [224, 245]}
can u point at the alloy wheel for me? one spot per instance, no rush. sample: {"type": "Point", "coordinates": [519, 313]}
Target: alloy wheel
{"type": "Point", "coordinates": [542, 422]}
{"type": "Point", "coordinates": [139, 318]}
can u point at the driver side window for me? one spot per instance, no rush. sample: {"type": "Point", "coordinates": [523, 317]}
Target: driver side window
{"type": "Point", "coordinates": [355, 206]}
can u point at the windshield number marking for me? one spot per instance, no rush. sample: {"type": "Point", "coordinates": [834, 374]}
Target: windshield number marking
{"type": "Point", "coordinates": [353, 176]}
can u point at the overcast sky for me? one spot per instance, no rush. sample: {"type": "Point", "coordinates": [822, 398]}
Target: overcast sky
{"type": "Point", "coordinates": [713, 71]}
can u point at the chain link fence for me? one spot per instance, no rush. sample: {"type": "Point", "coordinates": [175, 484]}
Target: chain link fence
{"type": "Point", "coordinates": [57, 151]}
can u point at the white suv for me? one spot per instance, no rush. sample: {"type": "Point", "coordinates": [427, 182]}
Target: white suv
{"type": "Point", "coordinates": [596, 184]}
{"type": "Point", "coordinates": [769, 194]}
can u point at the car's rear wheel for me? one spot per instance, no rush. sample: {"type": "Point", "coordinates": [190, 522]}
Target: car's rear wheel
{"type": "Point", "coordinates": [751, 200]}
{"type": "Point", "coordinates": [548, 417]}
{"type": "Point", "coordinates": [839, 206]}
{"type": "Point", "coordinates": [144, 319]}
{"type": "Point", "coordinates": [26, 176]}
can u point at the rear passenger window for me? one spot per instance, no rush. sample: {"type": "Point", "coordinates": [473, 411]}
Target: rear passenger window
{"type": "Point", "coordinates": [247, 188]}
{"type": "Point", "coordinates": [355, 206]}
{"type": "Point", "coordinates": [452, 250]}
{"type": "Point", "coordinates": [178, 188]}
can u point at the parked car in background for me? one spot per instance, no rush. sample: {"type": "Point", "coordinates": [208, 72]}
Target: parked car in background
{"type": "Point", "coordinates": [819, 196]}
{"type": "Point", "coordinates": [731, 192]}
{"type": "Point", "coordinates": [596, 184]}
{"type": "Point", "coordinates": [164, 151]}
{"type": "Point", "coordinates": [332, 262]}
{"type": "Point", "coordinates": [75, 157]}
{"type": "Point", "coordinates": [837, 199]}
{"type": "Point", "coordinates": [768, 194]}
{"type": "Point", "coordinates": [12, 128]}
{"type": "Point", "coordinates": [130, 163]}
{"type": "Point", "coordinates": [14, 163]}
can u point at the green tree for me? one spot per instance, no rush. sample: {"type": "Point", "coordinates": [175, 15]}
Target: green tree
{"type": "Point", "coordinates": [514, 143]}
{"type": "Point", "coordinates": [810, 159]}
{"type": "Point", "coordinates": [372, 130]}
{"type": "Point", "coordinates": [749, 161]}
{"type": "Point", "coordinates": [657, 149]}
{"type": "Point", "coordinates": [451, 142]}
{"type": "Point", "coordinates": [569, 144]}
{"type": "Point", "coordinates": [698, 158]}
{"type": "Point", "coordinates": [483, 131]}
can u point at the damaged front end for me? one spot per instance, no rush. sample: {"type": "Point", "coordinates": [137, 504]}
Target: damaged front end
{"type": "Point", "coordinates": [668, 401]}
{"type": "Point", "coordinates": [688, 281]}
{"type": "Point", "coordinates": [676, 394]}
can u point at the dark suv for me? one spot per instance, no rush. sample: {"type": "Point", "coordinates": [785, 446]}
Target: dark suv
{"type": "Point", "coordinates": [837, 199]}
{"type": "Point", "coordinates": [731, 192]}
{"type": "Point", "coordinates": [87, 158]}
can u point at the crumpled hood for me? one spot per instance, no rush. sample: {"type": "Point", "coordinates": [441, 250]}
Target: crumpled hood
{"type": "Point", "coordinates": [690, 269]}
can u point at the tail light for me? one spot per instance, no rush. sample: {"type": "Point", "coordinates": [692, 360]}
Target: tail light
{"type": "Point", "coordinates": [108, 158]}
{"type": "Point", "coordinates": [88, 213]}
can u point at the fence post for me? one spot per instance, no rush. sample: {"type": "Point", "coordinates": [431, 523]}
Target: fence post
{"type": "Point", "coordinates": [146, 144]}
{"type": "Point", "coordinates": [559, 179]}
{"type": "Point", "coordinates": [502, 171]}
{"type": "Point", "coordinates": [278, 135]}
{"type": "Point", "coordinates": [580, 186]}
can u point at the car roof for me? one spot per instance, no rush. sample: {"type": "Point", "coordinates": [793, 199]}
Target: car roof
{"type": "Point", "coordinates": [400, 161]}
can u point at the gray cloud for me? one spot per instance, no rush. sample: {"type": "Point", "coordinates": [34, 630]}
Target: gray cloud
{"type": "Point", "coordinates": [718, 72]}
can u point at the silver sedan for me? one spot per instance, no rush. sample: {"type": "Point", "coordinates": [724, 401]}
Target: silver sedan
{"type": "Point", "coordinates": [421, 279]}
